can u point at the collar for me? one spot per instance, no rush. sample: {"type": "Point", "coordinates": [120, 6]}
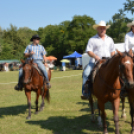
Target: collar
{"type": "Point", "coordinates": [34, 45]}
{"type": "Point", "coordinates": [132, 33]}
{"type": "Point", "coordinates": [100, 37]}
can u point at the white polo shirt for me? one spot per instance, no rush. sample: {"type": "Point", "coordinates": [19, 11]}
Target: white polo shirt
{"type": "Point", "coordinates": [129, 41]}
{"type": "Point", "coordinates": [99, 47]}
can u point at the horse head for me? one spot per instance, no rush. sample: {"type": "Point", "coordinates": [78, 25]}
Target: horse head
{"type": "Point", "coordinates": [27, 71]}
{"type": "Point", "coordinates": [126, 68]}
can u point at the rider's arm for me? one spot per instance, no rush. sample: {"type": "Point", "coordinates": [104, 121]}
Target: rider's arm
{"type": "Point", "coordinates": [113, 53]}
{"type": "Point", "coordinates": [27, 52]}
{"type": "Point", "coordinates": [90, 49]}
{"type": "Point", "coordinates": [44, 54]}
{"type": "Point", "coordinates": [44, 57]}
{"type": "Point", "coordinates": [112, 48]}
{"type": "Point", "coordinates": [91, 54]}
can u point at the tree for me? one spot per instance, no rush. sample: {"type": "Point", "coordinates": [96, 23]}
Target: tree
{"type": "Point", "coordinates": [80, 30]}
{"type": "Point", "coordinates": [129, 6]}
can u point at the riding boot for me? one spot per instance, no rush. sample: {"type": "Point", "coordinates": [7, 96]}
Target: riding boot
{"type": "Point", "coordinates": [87, 91]}
{"type": "Point", "coordinates": [19, 86]}
{"type": "Point", "coordinates": [48, 85]}
{"type": "Point", "coordinates": [123, 93]}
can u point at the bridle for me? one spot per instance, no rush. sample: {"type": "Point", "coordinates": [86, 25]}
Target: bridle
{"type": "Point", "coordinates": [123, 84]}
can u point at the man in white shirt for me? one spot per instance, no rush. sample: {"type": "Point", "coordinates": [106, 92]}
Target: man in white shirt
{"type": "Point", "coordinates": [98, 46]}
{"type": "Point", "coordinates": [129, 38]}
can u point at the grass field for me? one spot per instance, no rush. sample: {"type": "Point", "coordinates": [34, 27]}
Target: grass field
{"type": "Point", "coordinates": [66, 113]}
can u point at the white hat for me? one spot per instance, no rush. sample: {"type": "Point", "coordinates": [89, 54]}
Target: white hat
{"type": "Point", "coordinates": [130, 24]}
{"type": "Point", "coordinates": [102, 23]}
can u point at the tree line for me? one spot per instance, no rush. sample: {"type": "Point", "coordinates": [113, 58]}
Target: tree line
{"type": "Point", "coordinates": [65, 38]}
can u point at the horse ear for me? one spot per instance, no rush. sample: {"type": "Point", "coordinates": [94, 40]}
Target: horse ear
{"type": "Point", "coordinates": [22, 61]}
{"type": "Point", "coordinates": [130, 52]}
{"type": "Point", "coordinates": [120, 53]}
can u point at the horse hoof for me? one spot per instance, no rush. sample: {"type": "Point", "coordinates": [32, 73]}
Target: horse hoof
{"type": "Point", "coordinates": [93, 118]}
{"type": "Point", "coordinates": [28, 117]}
{"type": "Point", "coordinates": [123, 116]}
{"type": "Point", "coordinates": [41, 109]}
{"type": "Point", "coordinates": [36, 112]}
{"type": "Point", "coordinates": [100, 125]}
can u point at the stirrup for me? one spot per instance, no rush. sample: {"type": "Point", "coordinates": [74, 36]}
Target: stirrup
{"type": "Point", "coordinates": [48, 85]}
{"type": "Point", "coordinates": [84, 97]}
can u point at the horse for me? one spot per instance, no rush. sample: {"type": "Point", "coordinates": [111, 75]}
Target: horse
{"type": "Point", "coordinates": [130, 92]}
{"type": "Point", "coordinates": [34, 81]}
{"type": "Point", "coordinates": [108, 83]}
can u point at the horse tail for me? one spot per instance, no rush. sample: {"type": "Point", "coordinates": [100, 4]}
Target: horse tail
{"type": "Point", "coordinates": [48, 96]}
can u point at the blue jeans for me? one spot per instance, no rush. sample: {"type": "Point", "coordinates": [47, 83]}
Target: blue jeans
{"type": "Point", "coordinates": [86, 73]}
{"type": "Point", "coordinates": [41, 67]}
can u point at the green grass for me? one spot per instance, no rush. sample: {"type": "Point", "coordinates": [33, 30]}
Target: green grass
{"type": "Point", "coordinates": [66, 113]}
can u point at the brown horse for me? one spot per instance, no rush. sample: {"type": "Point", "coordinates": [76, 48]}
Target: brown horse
{"type": "Point", "coordinates": [108, 83]}
{"type": "Point", "coordinates": [130, 92]}
{"type": "Point", "coordinates": [33, 81]}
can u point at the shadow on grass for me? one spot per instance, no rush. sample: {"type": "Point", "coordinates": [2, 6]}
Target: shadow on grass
{"type": "Point", "coordinates": [69, 125]}
{"type": "Point", "coordinates": [14, 110]}
{"type": "Point", "coordinates": [108, 105]}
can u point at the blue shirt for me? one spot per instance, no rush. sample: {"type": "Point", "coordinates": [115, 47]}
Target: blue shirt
{"type": "Point", "coordinates": [39, 51]}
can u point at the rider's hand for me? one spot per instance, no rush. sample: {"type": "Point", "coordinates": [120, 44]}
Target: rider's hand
{"type": "Point", "coordinates": [32, 53]}
{"type": "Point", "coordinates": [46, 64]}
{"type": "Point", "coordinates": [97, 58]}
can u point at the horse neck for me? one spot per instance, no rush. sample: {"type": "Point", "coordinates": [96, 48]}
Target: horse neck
{"type": "Point", "coordinates": [112, 69]}
{"type": "Point", "coordinates": [34, 72]}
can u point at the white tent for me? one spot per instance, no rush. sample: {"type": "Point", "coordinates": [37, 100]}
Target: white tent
{"type": "Point", "coordinates": [86, 58]}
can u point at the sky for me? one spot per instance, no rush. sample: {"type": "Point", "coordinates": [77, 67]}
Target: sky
{"type": "Point", "coordinates": [40, 13]}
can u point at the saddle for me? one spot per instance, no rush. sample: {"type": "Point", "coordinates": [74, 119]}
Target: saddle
{"type": "Point", "coordinates": [37, 68]}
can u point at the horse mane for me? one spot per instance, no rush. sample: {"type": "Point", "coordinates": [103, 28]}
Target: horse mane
{"type": "Point", "coordinates": [116, 55]}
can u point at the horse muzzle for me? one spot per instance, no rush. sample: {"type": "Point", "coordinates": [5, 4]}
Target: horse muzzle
{"type": "Point", "coordinates": [130, 84]}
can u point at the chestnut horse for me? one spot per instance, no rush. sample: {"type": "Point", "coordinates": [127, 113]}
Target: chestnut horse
{"type": "Point", "coordinates": [130, 92]}
{"type": "Point", "coordinates": [33, 81]}
{"type": "Point", "coordinates": [108, 84]}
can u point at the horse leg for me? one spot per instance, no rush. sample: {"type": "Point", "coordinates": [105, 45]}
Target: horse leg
{"type": "Point", "coordinates": [132, 114]}
{"type": "Point", "coordinates": [123, 115]}
{"type": "Point", "coordinates": [28, 94]}
{"type": "Point", "coordinates": [99, 118]}
{"type": "Point", "coordinates": [36, 102]}
{"type": "Point", "coordinates": [42, 104]}
{"type": "Point", "coordinates": [43, 97]}
{"type": "Point", "coordinates": [116, 104]}
{"type": "Point", "coordinates": [92, 108]}
{"type": "Point", "coordinates": [103, 116]}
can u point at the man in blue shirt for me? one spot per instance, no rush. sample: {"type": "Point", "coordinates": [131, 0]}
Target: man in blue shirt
{"type": "Point", "coordinates": [37, 53]}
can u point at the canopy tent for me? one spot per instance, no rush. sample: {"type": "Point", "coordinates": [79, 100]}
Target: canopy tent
{"type": "Point", "coordinates": [8, 61]}
{"type": "Point", "coordinates": [65, 60]}
{"type": "Point", "coordinates": [73, 55]}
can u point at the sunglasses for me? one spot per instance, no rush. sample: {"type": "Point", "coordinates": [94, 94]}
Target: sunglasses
{"type": "Point", "coordinates": [132, 25]}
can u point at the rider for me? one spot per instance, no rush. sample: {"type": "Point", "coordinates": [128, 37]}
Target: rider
{"type": "Point", "coordinates": [37, 53]}
{"type": "Point", "coordinates": [129, 44]}
{"type": "Point", "coordinates": [99, 46]}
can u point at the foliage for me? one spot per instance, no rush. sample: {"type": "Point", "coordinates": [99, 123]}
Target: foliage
{"type": "Point", "coordinates": [65, 38]}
